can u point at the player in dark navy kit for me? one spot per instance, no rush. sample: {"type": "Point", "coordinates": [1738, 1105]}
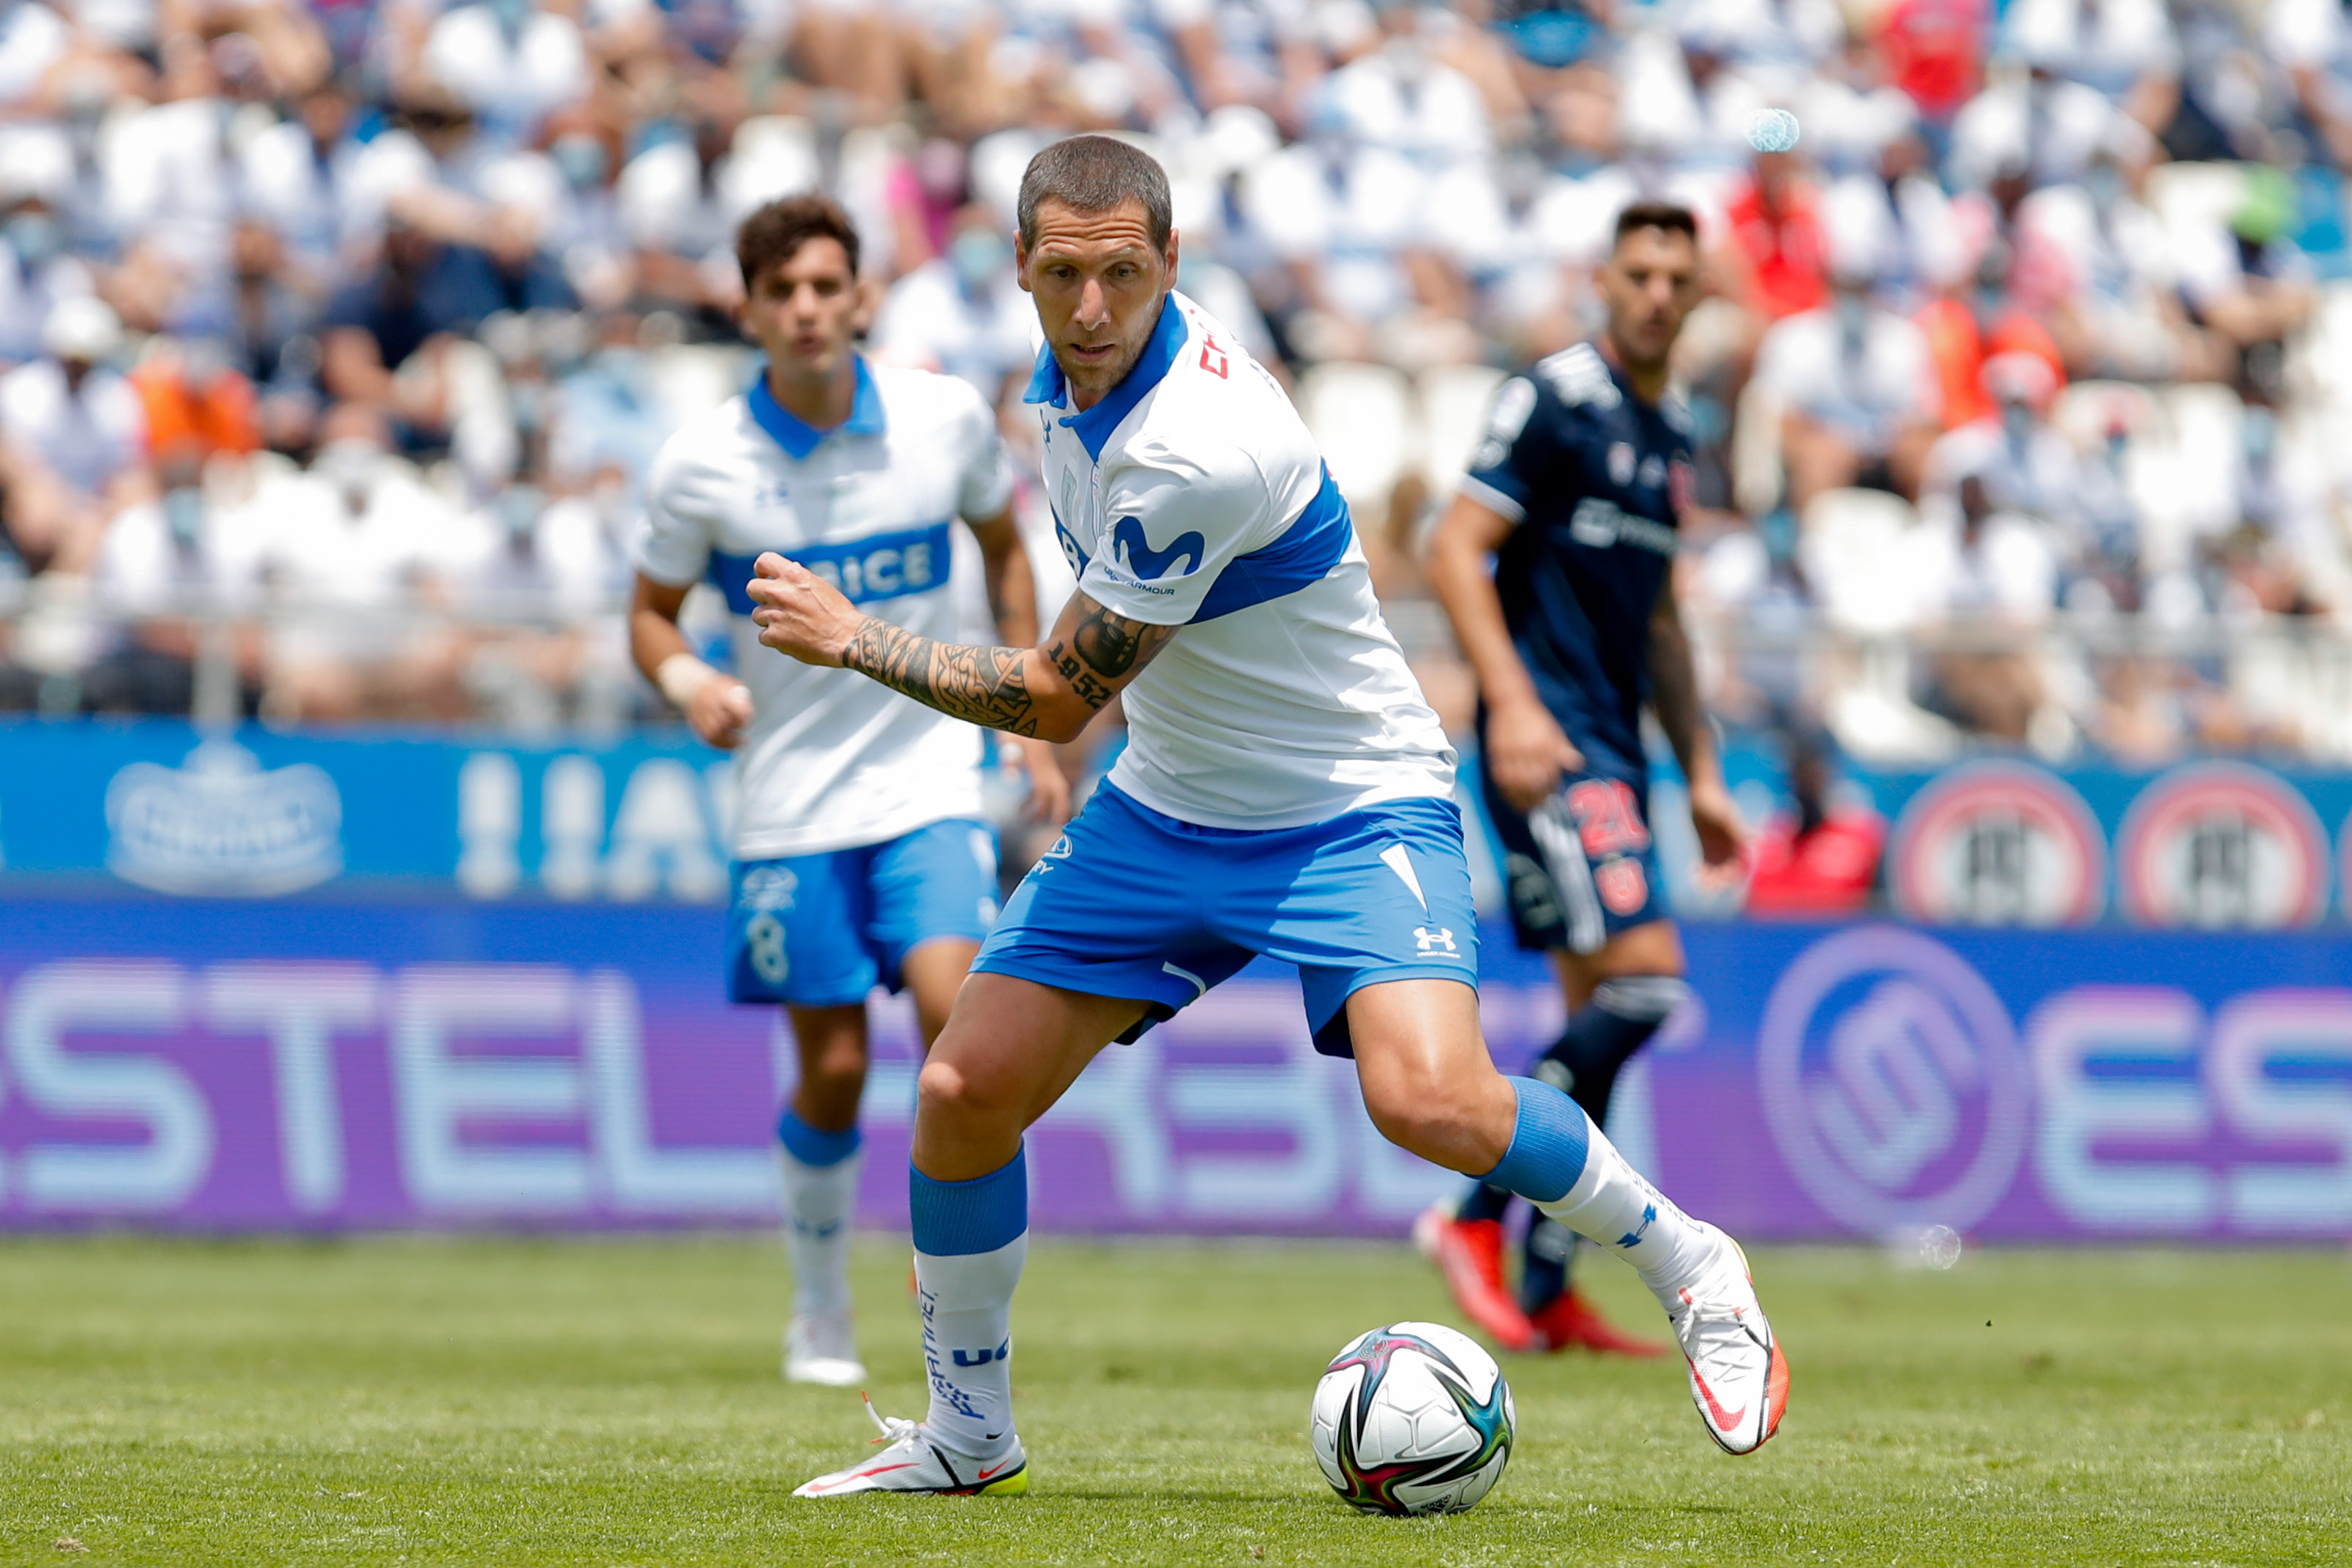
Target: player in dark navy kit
{"type": "Point", "coordinates": [1555, 564]}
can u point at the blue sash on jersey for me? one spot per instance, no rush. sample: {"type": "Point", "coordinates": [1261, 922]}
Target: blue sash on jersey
{"type": "Point", "coordinates": [879, 566]}
{"type": "Point", "coordinates": [1304, 555]}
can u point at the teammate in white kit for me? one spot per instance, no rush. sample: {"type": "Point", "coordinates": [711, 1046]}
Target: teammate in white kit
{"type": "Point", "coordinates": [860, 855]}
{"type": "Point", "coordinates": [1284, 791]}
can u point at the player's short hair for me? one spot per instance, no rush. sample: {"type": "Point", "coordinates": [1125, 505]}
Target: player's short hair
{"type": "Point", "coordinates": [775, 233]}
{"type": "Point", "coordinates": [1093, 175]}
{"type": "Point", "coordinates": [1672, 216]}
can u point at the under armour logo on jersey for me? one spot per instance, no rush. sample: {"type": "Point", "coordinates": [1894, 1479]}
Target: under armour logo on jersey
{"type": "Point", "coordinates": [1649, 1218]}
{"type": "Point", "coordinates": [1439, 941]}
{"type": "Point", "coordinates": [1147, 564]}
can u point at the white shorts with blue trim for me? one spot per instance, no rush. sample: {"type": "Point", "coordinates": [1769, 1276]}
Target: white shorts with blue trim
{"type": "Point", "coordinates": [1133, 903]}
{"type": "Point", "coordinates": [823, 930]}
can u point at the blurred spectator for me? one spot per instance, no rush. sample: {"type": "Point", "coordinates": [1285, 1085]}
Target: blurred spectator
{"type": "Point", "coordinates": [1934, 52]}
{"type": "Point", "coordinates": [73, 440]}
{"type": "Point", "coordinates": [963, 312]}
{"type": "Point", "coordinates": [1822, 857]}
{"type": "Point", "coordinates": [198, 407]}
{"type": "Point", "coordinates": [495, 238]}
{"type": "Point", "coordinates": [37, 268]}
{"type": "Point", "coordinates": [1778, 256]}
{"type": "Point", "coordinates": [1857, 388]}
{"type": "Point", "coordinates": [172, 571]}
{"type": "Point", "coordinates": [2249, 285]}
{"type": "Point", "coordinates": [273, 334]}
{"type": "Point", "coordinates": [352, 554]}
{"type": "Point", "coordinates": [509, 61]}
{"type": "Point", "coordinates": [2023, 466]}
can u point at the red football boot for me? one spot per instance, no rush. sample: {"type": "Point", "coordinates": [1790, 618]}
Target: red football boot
{"type": "Point", "coordinates": [1572, 1320]}
{"type": "Point", "coordinates": [1469, 1253]}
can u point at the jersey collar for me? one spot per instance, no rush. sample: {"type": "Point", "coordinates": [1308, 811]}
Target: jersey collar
{"type": "Point", "coordinates": [799, 438]}
{"type": "Point", "coordinates": [1048, 385]}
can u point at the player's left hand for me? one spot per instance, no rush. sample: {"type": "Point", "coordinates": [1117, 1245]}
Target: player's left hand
{"type": "Point", "coordinates": [1049, 790]}
{"type": "Point", "coordinates": [800, 614]}
{"type": "Point", "coordinates": [1714, 816]}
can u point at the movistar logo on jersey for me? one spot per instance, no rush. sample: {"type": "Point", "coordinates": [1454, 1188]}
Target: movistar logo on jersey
{"type": "Point", "coordinates": [1149, 565]}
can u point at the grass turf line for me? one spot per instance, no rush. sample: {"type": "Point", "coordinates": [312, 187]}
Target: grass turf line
{"type": "Point", "coordinates": [617, 1402]}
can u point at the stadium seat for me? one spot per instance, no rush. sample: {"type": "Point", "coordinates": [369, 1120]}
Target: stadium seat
{"type": "Point", "coordinates": [1453, 410]}
{"type": "Point", "coordinates": [1362, 418]}
{"type": "Point", "coordinates": [773, 155]}
{"type": "Point", "coordinates": [1861, 552]}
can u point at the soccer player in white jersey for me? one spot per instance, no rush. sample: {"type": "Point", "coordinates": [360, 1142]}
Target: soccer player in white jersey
{"type": "Point", "coordinates": [1284, 791]}
{"type": "Point", "coordinates": [860, 856]}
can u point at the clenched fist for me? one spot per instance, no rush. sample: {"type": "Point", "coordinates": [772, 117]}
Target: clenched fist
{"type": "Point", "coordinates": [799, 615]}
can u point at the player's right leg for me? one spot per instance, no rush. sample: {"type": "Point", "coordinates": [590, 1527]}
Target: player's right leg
{"type": "Point", "coordinates": [1585, 887]}
{"type": "Point", "coordinates": [1618, 998]}
{"type": "Point", "coordinates": [1431, 1087]}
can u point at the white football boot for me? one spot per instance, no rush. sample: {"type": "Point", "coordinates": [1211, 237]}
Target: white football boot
{"type": "Point", "coordinates": [1739, 1378]}
{"type": "Point", "coordinates": [822, 1348]}
{"type": "Point", "coordinates": [911, 1462]}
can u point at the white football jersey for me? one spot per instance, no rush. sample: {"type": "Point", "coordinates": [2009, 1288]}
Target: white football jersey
{"type": "Point", "coordinates": [1193, 495]}
{"type": "Point", "coordinates": [832, 759]}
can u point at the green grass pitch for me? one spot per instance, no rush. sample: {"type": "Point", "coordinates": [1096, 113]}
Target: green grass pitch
{"type": "Point", "coordinates": [616, 1402]}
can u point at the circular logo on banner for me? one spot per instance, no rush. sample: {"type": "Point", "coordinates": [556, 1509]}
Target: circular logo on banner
{"type": "Point", "coordinates": [2222, 844]}
{"type": "Point", "coordinates": [1997, 843]}
{"type": "Point", "coordinates": [1892, 1082]}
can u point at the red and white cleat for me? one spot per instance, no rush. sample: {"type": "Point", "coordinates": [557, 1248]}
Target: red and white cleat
{"type": "Point", "coordinates": [1571, 1320]}
{"type": "Point", "coordinates": [1469, 1253]}
{"type": "Point", "coordinates": [911, 1462]}
{"type": "Point", "coordinates": [1739, 1378]}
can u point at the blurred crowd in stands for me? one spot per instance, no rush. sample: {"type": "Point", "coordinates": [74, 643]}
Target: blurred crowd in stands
{"type": "Point", "coordinates": [337, 336]}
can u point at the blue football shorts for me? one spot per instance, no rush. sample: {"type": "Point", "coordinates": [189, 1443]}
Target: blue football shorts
{"type": "Point", "coordinates": [1582, 867]}
{"type": "Point", "coordinates": [1131, 903]}
{"type": "Point", "coordinates": [823, 930]}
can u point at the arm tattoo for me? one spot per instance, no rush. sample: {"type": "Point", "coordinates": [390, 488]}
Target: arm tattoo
{"type": "Point", "coordinates": [1103, 648]}
{"type": "Point", "coordinates": [984, 686]}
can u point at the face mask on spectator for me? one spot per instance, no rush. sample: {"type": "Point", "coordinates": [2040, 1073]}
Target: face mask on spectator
{"type": "Point", "coordinates": [349, 465]}
{"type": "Point", "coordinates": [36, 238]}
{"type": "Point", "coordinates": [581, 157]}
{"type": "Point", "coordinates": [184, 515]}
{"type": "Point", "coordinates": [1853, 313]}
{"type": "Point", "coordinates": [979, 258]}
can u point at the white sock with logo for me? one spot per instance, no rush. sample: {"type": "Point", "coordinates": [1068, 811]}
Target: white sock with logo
{"type": "Point", "coordinates": [820, 1199]}
{"type": "Point", "coordinates": [967, 1306]}
{"type": "Point", "coordinates": [1616, 1206]}
{"type": "Point", "coordinates": [971, 1240]}
{"type": "Point", "coordinates": [1560, 1161]}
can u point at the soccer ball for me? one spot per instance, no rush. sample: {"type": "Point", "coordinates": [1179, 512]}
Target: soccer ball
{"type": "Point", "coordinates": [1413, 1418]}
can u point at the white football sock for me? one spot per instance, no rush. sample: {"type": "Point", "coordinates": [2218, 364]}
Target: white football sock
{"type": "Point", "coordinates": [967, 1305]}
{"type": "Point", "coordinates": [818, 1203]}
{"type": "Point", "coordinates": [1615, 1205]}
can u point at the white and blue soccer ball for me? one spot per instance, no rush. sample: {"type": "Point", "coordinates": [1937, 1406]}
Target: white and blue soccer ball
{"type": "Point", "coordinates": [1413, 1418]}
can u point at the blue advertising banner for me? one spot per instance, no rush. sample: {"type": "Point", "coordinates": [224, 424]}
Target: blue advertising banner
{"type": "Point", "coordinates": [329, 1063]}
{"type": "Point", "coordinates": [2001, 841]}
